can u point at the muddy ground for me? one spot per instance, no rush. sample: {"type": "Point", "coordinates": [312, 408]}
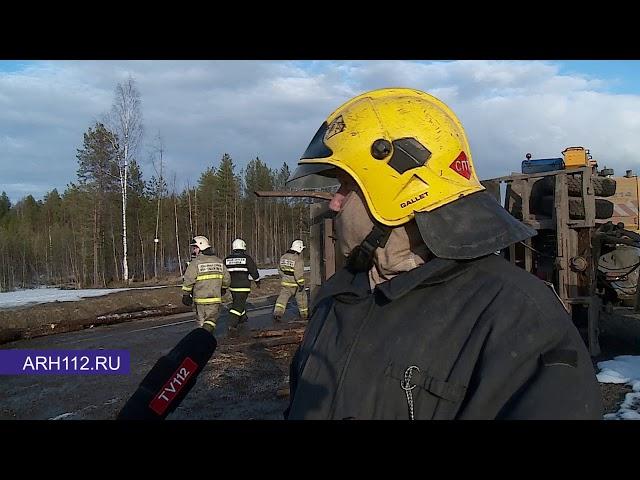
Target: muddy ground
{"type": "Point", "coordinates": [247, 377]}
{"type": "Point", "coordinates": [242, 381]}
{"type": "Point", "coordinates": [614, 343]}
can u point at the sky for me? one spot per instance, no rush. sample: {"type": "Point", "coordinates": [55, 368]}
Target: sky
{"type": "Point", "coordinates": [271, 109]}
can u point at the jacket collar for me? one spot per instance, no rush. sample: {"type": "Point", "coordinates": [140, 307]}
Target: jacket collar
{"type": "Point", "coordinates": [356, 286]}
{"type": "Point", "coordinates": [436, 270]}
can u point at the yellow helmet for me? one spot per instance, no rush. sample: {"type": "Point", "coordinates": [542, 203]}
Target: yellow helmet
{"type": "Point", "coordinates": [409, 154]}
{"type": "Point", "coordinates": [405, 149]}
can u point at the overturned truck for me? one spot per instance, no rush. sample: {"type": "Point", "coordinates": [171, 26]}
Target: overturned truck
{"type": "Point", "coordinates": [586, 249]}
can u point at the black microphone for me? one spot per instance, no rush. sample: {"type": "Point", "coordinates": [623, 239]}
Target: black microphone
{"type": "Point", "coordinates": [171, 378]}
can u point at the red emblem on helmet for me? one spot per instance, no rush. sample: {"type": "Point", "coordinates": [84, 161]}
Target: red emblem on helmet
{"type": "Point", "coordinates": [461, 166]}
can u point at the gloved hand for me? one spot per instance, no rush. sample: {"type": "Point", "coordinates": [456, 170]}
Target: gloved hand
{"type": "Point", "coordinates": [257, 284]}
{"type": "Point", "coordinates": [187, 299]}
{"type": "Point", "coordinates": [300, 288]}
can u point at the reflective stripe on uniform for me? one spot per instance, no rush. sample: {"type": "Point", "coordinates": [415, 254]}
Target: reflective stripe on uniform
{"type": "Point", "coordinates": [289, 284]}
{"type": "Point", "coordinates": [238, 269]}
{"type": "Point", "coordinates": [208, 300]}
{"type": "Point", "coordinates": [240, 289]}
{"type": "Point", "coordinates": [208, 276]}
{"type": "Point", "coordinates": [187, 289]}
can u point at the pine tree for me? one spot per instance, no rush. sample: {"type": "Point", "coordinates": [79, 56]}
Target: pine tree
{"type": "Point", "coordinates": [97, 176]}
{"type": "Point", "coordinates": [206, 192]}
{"type": "Point", "coordinates": [5, 204]}
{"type": "Point", "coordinates": [226, 194]}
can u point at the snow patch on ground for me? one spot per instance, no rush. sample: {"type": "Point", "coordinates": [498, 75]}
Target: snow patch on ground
{"type": "Point", "coordinates": [21, 298]}
{"type": "Point", "coordinates": [623, 369]}
{"type": "Point", "coordinates": [270, 272]}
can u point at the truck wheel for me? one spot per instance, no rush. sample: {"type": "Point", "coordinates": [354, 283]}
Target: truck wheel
{"type": "Point", "coordinates": [604, 208]}
{"type": "Point", "coordinates": [602, 186]}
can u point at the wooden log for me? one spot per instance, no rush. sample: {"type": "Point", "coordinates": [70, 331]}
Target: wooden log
{"type": "Point", "coordinates": [272, 342]}
{"type": "Point", "coordinates": [123, 317]}
{"type": "Point", "coordinates": [298, 322]}
{"type": "Point", "coordinates": [320, 195]}
{"type": "Point", "coordinates": [278, 333]}
{"type": "Point", "coordinates": [265, 342]}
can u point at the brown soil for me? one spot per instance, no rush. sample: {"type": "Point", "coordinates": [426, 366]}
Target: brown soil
{"type": "Point", "coordinates": [241, 382]}
{"type": "Point", "coordinates": [614, 341]}
{"type": "Point", "coordinates": [613, 395]}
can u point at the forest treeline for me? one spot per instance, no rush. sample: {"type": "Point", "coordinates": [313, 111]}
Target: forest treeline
{"type": "Point", "coordinates": [75, 237]}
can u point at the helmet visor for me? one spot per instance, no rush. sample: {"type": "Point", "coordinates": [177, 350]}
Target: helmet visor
{"type": "Point", "coordinates": [315, 176]}
{"type": "Point", "coordinates": [317, 148]}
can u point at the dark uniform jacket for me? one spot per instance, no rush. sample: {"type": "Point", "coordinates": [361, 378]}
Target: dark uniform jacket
{"type": "Point", "coordinates": [479, 339]}
{"type": "Point", "coordinates": [240, 265]}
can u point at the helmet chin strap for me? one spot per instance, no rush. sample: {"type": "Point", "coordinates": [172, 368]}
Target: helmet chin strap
{"type": "Point", "coordinates": [361, 258]}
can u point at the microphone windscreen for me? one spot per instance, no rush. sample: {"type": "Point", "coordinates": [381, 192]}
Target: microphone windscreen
{"type": "Point", "coordinates": [171, 378]}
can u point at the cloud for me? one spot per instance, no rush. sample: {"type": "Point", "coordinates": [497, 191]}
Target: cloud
{"type": "Point", "coordinates": [204, 109]}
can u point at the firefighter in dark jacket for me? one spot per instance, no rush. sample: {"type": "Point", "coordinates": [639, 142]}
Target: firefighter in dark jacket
{"type": "Point", "coordinates": [240, 265]}
{"type": "Point", "coordinates": [426, 321]}
{"type": "Point", "coordinates": [205, 282]}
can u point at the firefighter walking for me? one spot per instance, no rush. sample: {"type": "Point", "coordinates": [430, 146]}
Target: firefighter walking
{"type": "Point", "coordinates": [205, 282]}
{"type": "Point", "coordinates": [292, 280]}
{"type": "Point", "coordinates": [240, 265]}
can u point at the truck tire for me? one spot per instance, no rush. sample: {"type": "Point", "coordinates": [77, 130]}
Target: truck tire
{"type": "Point", "coordinates": [602, 186]}
{"type": "Point", "coordinates": [604, 208]}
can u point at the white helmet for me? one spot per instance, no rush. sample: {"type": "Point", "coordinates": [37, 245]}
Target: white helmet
{"type": "Point", "coordinates": [297, 246]}
{"type": "Point", "coordinates": [201, 242]}
{"type": "Point", "coordinates": [238, 244]}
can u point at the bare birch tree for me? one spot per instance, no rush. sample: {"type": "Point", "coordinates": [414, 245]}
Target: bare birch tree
{"type": "Point", "coordinates": [125, 120]}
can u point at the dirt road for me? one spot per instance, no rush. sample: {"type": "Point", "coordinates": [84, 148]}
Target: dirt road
{"type": "Point", "coordinates": [237, 383]}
